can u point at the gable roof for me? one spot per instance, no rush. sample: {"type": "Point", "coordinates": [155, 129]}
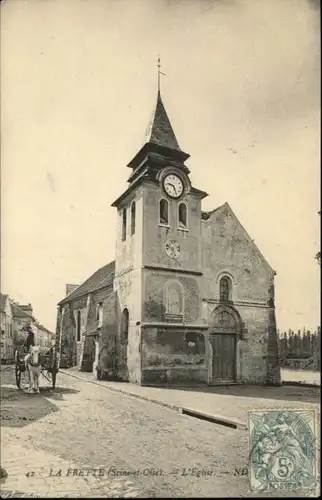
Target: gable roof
{"type": "Point", "coordinates": [102, 278]}
{"type": "Point", "coordinates": [3, 300]}
{"type": "Point", "coordinates": [207, 215]}
{"type": "Point", "coordinates": [43, 328]}
{"type": "Point", "coordinates": [229, 209]}
{"type": "Point", "coordinates": [17, 312]}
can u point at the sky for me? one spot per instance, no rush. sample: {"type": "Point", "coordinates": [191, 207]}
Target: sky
{"type": "Point", "coordinates": [78, 87]}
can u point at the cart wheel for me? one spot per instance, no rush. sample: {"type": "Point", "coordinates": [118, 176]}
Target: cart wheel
{"type": "Point", "coordinates": [53, 378]}
{"type": "Point", "coordinates": [17, 369]}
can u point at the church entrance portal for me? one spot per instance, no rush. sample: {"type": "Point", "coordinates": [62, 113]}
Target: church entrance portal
{"type": "Point", "coordinates": [224, 327]}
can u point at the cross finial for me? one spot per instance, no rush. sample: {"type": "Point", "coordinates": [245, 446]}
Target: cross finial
{"type": "Point", "coordinates": [159, 73]}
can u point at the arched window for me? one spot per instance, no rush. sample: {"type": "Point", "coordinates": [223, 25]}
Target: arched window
{"type": "Point", "coordinates": [182, 215]}
{"type": "Point", "coordinates": [125, 325]}
{"type": "Point", "coordinates": [124, 224]}
{"type": "Point", "coordinates": [225, 289]}
{"type": "Point", "coordinates": [174, 299]}
{"type": "Point", "coordinates": [133, 218]}
{"type": "Point", "coordinates": [78, 326]}
{"type": "Point", "coordinates": [163, 212]}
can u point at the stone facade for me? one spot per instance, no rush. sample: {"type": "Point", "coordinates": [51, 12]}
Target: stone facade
{"type": "Point", "coordinates": [7, 330]}
{"type": "Point", "coordinates": [189, 298]}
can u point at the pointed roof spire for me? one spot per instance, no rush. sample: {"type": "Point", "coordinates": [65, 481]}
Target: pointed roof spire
{"type": "Point", "coordinates": [160, 130]}
{"type": "Point", "coordinates": [159, 136]}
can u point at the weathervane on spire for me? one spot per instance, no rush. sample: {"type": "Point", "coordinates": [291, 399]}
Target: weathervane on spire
{"type": "Point", "coordinates": [159, 73]}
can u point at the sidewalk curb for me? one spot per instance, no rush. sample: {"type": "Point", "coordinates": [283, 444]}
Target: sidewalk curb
{"type": "Point", "coordinates": [217, 419]}
{"type": "Point", "coordinates": [126, 393]}
{"type": "Point", "coordinates": [301, 384]}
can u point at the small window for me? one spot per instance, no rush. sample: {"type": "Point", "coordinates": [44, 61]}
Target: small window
{"type": "Point", "coordinates": [182, 215]}
{"type": "Point", "coordinates": [99, 314]}
{"type": "Point", "coordinates": [78, 326]}
{"type": "Point", "coordinates": [133, 218]}
{"type": "Point", "coordinates": [225, 289]}
{"type": "Point", "coordinates": [164, 212]}
{"type": "Point", "coordinates": [124, 224]}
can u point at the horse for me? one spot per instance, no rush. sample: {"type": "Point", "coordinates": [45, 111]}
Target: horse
{"type": "Point", "coordinates": [33, 366]}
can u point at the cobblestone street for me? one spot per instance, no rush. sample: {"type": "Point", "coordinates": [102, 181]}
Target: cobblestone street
{"type": "Point", "coordinates": [85, 426]}
{"type": "Point", "coordinates": [52, 440]}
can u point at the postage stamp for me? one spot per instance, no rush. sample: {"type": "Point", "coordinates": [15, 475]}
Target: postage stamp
{"type": "Point", "coordinates": [283, 450]}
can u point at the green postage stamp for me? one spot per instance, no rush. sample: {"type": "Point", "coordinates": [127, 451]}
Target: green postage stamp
{"type": "Point", "coordinates": [283, 450]}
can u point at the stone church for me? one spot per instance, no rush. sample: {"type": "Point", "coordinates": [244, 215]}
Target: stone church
{"type": "Point", "coordinates": [189, 298]}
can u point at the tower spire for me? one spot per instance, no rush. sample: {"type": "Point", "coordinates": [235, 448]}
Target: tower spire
{"type": "Point", "coordinates": [159, 137]}
{"type": "Point", "coordinates": [159, 73]}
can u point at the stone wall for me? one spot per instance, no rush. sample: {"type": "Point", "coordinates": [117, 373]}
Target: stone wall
{"type": "Point", "coordinates": [229, 251]}
{"type": "Point", "coordinates": [155, 234]}
{"type": "Point", "coordinates": [128, 296]}
{"type": "Point", "coordinates": [256, 349]}
{"type": "Point", "coordinates": [154, 296]}
{"type": "Point", "coordinates": [68, 337]}
{"type": "Point", "coordinates": [84, 348]}
{"type": "Point", "coordinates": [109, 354]}
{"type": "Point", "coordinates": [171, 355]}
{"type": "Point", "coordinates": [128, 288]}
{"type": "Point", "coordinates": [129, 251]}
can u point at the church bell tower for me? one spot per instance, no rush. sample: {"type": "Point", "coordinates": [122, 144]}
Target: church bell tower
{"type": "Point", "coordinates": [158, 268]}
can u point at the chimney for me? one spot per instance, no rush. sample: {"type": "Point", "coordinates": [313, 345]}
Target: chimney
{"type": "Point", "coordinates": [70, 288]}
{"type": "Point", "coordinates": [27, 308]}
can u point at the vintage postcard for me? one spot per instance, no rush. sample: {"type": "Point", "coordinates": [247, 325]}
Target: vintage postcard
{"type": "Point", "coordinates": [160, 248]}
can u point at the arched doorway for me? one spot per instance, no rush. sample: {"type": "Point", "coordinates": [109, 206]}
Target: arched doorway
{"type": "Point", "coordinates": [224, 331]}
{"type": "Point", "coordinates": [124, 343]}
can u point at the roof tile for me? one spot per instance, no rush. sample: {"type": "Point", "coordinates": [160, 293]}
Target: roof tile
{"type": "Point", "coordinates": [160, 130]}
{"type": "Point", "coordinates": [102, 278]}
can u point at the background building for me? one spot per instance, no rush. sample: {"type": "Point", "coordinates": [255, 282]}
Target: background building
{"type": "Point", "coordinates": [14, 317]}
{"type": "Point", "coordinates": [7, 338]}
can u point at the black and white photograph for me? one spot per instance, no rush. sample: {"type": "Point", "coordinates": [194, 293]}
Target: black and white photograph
{"type": "Point", "coordinates": [160, 248]}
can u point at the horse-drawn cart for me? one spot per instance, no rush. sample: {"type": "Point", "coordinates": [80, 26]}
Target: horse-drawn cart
{"type": "Point", "coordinates": [48, 361]}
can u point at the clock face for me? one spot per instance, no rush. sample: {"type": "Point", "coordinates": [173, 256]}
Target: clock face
{"type": "Point", "coordinates": [173, 185]}
{"type": "Point", "coordinates": [172, 249]}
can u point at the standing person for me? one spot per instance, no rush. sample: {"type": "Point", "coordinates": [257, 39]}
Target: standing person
{"type": "Point", "coordinates": [29, 341]}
